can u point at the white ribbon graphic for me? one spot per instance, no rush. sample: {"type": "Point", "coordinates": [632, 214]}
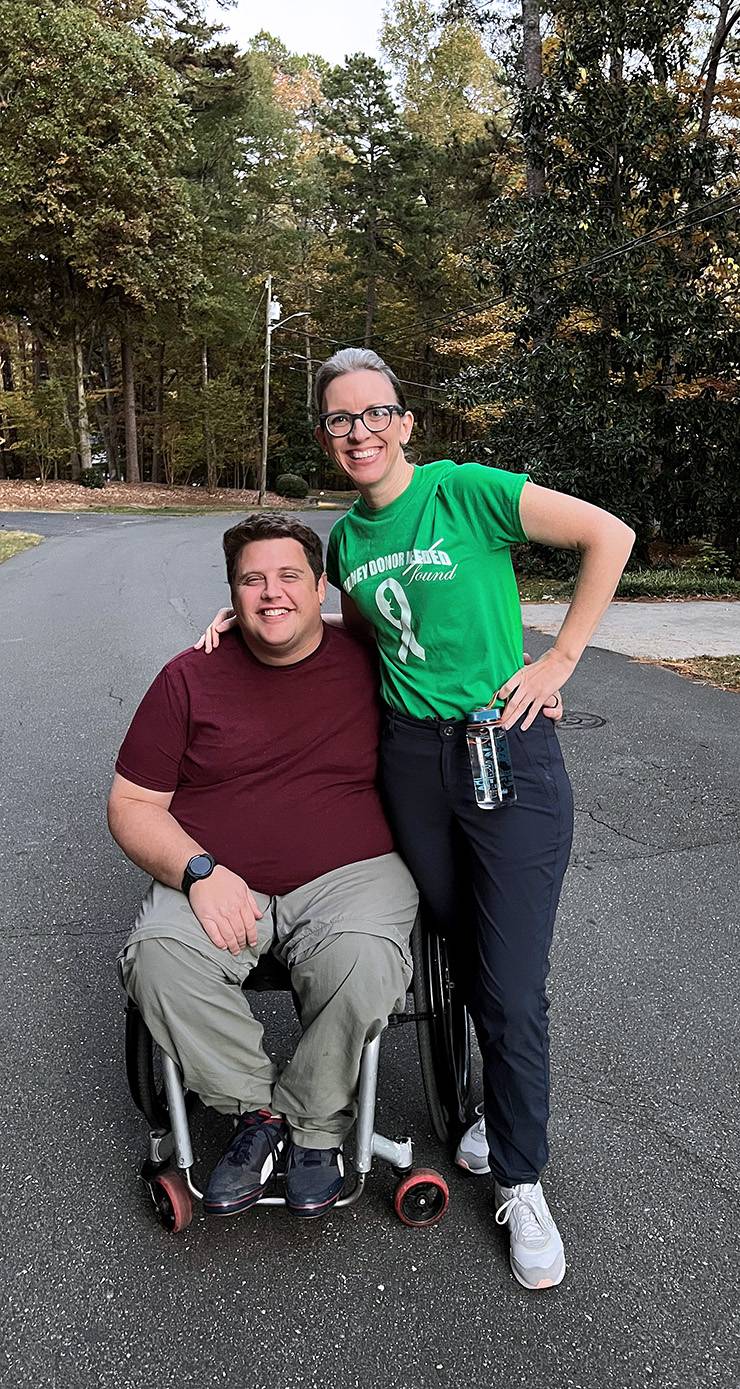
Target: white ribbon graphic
{"type": "Point", "coordinates": [408, 640]}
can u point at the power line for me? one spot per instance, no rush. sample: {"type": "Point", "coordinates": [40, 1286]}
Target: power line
{"type": "Point", "coordinates": [680, 223]}
{"type": "Point", "coordinates": [656, 234]}
{"type": "Point", "coordinates": [343, 342]}
{"type": "Point", "coordinates": [472, 311]}
{"type": "Point", "coordinates": [422, 385]}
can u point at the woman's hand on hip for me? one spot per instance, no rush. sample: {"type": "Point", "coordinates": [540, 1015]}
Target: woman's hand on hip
{"type": "Point", "coordinates": [224, 620]}
{"type": "Point", "coordinates": [553, 708]}
{"type": "Point", "coordinates": [535, 687]}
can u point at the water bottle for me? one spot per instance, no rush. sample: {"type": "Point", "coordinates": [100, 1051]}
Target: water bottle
{"type": "Point", "coordinates": [490, 759]}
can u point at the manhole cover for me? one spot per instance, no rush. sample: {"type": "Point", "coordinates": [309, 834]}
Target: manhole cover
{"type": "Point", "coordinates": [572, 719]}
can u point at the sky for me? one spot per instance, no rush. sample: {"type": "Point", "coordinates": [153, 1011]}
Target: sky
{"type": "Point", "coordinates": [332, 28]}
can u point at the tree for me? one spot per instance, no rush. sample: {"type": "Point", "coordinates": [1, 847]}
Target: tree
{"type": "Point", "coordinates": [604, 363]}
{"type": "Point", "coordinates": [98, 220]}
{"type": "Point", "coordinates": [363, 163]}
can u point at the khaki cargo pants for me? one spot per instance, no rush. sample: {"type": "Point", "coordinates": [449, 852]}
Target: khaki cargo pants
{"type": "Point", "coordinates": [344, 938]}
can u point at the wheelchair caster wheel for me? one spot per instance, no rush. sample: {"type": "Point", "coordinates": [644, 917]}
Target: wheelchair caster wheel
{"type": "Point", "coordinates": [421, 1198]}
{"type": "Point", "coordinates": [172, 1201]}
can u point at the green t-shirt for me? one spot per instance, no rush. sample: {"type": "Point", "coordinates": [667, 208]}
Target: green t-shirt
{"type": "Point", "coordinates": [432, 572]}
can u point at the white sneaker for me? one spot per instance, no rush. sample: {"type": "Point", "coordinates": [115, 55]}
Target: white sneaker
{"type": "Point", "coordinates": [536, 1250]}
{"type": "Point", "coordinates": [472, 1150]}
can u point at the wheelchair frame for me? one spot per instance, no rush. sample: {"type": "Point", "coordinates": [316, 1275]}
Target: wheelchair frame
{"type": "Point", "coordinates": [443, 1033]}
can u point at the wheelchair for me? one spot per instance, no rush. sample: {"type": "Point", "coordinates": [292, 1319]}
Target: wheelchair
{"type": "Point", "coordinates": [421, 1196]}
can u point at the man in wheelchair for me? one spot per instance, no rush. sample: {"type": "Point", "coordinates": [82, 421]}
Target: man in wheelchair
{"type": "Point", "coordinates": [246, 787]}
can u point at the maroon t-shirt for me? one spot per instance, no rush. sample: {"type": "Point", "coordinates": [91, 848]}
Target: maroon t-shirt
{"type": "Point", "coordinates": [273, 766]}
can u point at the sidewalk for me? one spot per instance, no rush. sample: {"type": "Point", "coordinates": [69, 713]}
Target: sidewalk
{"type": "Point", "coordinates": [662, 631]}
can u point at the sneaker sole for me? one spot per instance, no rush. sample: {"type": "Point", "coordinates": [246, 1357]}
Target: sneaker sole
{"type": "Point", "coordinates": [475, 1171]}
{"type": "Point", "coordinates": [312, 1212]}
{"type": "Point", "coordinates": [235, 1207]}
{"type": "Point", "coordinates": [543, 1283]}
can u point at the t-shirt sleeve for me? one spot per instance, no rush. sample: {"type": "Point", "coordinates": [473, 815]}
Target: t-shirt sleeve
{"type": "Point", "coordinates": [489, 498]}
{"type": "Point", "coordinates": [332, 559]}
{"type": "Point", "coordinates": [153, 748]}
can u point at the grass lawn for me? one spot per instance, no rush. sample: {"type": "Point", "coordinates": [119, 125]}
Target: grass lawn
{"type": "Point", "coordinates": [638, 583]}
{"type": "Point", "coordinates": [12, 542]}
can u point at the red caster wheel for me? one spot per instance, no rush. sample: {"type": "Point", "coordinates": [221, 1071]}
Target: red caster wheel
{"type": "Point", "coordinates": [172, 1201]}
{"type": "Point", "coordinates": [421, 1198]}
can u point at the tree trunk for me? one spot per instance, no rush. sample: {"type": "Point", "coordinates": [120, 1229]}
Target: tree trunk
{"type": "Point", "coordinates": [74, 457]}
{"type": "Point", "coordinates": [309, 364]}
{"type": "Point", "coordinates": [21, 372]}
{"type": "Point", "coordinates": [725, 23]}
{"type": "Point", "coordinates": [532, 69]}
{"type": "Point", "coordinates": [4, 428]}
{"type": "Point", "coordinates": [110, 430]}
{"type": "Point", "coordinates": [158, 408]}
{"type": "Point", "coordinates": [83, 422]}
{"type": "Point", "coordinates": [370, 306]}
{"type": "Point", "coordinates": [129, 408]}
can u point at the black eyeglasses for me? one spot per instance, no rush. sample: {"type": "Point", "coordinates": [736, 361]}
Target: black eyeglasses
{"type": "Point", "coordinates": [376, 418]}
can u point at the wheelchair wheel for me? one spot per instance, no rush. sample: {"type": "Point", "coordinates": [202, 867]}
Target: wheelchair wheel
{"type": "Point", "coordinates": [443, 1032]}
{"type": "Point", "coordinates": [144, 1072]}
{"type": "Point", "coordinates": [172, 1201]}
{"type": "Point", "coordinates": [421, 1199]}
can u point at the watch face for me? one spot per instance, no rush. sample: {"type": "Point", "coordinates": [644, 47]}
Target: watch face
{"type": "Point", "coordinates": [200, 866]}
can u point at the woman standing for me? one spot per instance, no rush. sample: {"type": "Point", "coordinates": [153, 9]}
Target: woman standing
{"type": "Point", "coordinates": [423, 559]}
{"type": "Point", "coordinates": [423, 562]}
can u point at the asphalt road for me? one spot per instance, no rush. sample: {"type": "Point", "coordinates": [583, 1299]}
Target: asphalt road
{"type": "Point", "coordinates": [645, 1126]}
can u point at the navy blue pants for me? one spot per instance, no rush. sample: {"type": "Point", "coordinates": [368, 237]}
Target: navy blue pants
{"type": "Point", "coordinates": [490, 881]}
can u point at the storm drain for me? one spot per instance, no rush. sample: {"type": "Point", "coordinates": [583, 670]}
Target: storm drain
{"type": "Point", "coordinates": [573, 719]}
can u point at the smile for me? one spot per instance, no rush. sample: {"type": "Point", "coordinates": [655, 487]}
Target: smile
{"type": "Point", "coordinates": [275, 612]}
{"type": "Point", "coordinates": [360, 455]}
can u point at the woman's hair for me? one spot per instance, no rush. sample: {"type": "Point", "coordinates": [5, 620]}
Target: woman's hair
{"type": "Point", "coordinates": [353, 359]}
{"type": "Point", "coordinates": [262, 525]}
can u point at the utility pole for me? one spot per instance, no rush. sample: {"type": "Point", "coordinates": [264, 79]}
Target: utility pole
{"type": "Point", "coordinates": [266, 393]}
{"type": "Point", "coordinates": [272, 321]}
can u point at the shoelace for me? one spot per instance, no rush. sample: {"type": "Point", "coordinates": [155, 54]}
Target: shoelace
{"type": "Point", "coordinates": [313, 1157]}
{"type": "Point", "coordinates": [251, 1124]}
{"type": "Point", "coordinates": [480, 1126]}
{"type": "Point", "coordinates": [529, 1219]}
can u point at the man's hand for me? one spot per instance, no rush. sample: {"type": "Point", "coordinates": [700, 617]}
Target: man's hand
{"type": "Point", "coordinates": [534, 687]}
{"type": "Point", "coordinates": [553, 709]}
{"type": "Point", "coordinates": [224, 620]}
{"type": "Point", "coordinates": [226, 910]}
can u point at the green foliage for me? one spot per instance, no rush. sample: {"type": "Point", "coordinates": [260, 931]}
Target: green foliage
{"type": "Point", "coordinates": [615, 381]}
{"type": "Point", "coordinates": [219, 417]}
{"type": "Point", "coordinates": [40, 436]}
{"type": "Point", "coordinates": [152, 175]}
{"type": "Point", "coordinates": [91, 129]}
{"type": "Point", "coordinates": [708, 559]}
{"type": "Point", "coordinates": [93, 477]}
{"type": "Point", "coordinates": [291, 485]}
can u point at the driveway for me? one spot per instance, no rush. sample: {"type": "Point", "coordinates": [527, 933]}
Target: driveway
{"type": "Point", "coordinates": [645, 1128]}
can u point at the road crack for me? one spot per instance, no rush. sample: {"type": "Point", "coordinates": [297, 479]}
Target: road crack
{"type": "Point", "coordinates": [622, 833]}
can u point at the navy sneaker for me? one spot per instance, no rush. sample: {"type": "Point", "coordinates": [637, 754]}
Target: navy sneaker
{"type": "Point", "coordinates": [314, 1179]}
{"type": "Point", "coordinates": [241, 1176]}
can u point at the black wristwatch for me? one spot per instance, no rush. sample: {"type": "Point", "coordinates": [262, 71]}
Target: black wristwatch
{"type": "Point", "coordinates": [200, 866]}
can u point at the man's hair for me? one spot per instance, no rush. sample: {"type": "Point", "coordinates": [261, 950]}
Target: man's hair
{"type": "Point", "coordinates": [353, 359]}
{"type": "Point", "coordinates": [271, 526]}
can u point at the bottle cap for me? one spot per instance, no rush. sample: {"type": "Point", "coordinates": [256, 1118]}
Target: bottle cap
{"type": "Point", "coordinates": [485, 715]}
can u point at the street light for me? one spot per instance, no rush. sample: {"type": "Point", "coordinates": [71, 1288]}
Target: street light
{"type": "Point", "coordinates": [272, 322]}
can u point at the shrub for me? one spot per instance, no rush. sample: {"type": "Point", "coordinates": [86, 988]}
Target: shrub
{"type": "Point", "coordinates": [707, 559]}
{"type": "Point", "coordinates": [291, 485]}
{"type": "Point", "coordinates": [93, 476]}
